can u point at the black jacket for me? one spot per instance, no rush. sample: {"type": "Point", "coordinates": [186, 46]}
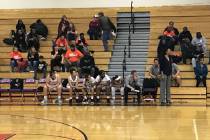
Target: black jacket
{"type": "Point", "coordinates": [166, 66]}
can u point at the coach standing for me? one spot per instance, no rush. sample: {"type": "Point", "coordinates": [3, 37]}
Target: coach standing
{"type": "Point", "coordinates": [165, 82]}
{"type": "Point", "coordinates": [107, 28]}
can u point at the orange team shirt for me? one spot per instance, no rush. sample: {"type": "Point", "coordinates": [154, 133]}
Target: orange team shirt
{"type": "Point", "coordinates": [62, 42]}
{"type": "Point", "coordinates": [171, 34]}
{"type": "Point", "coordinates": [16, 55]}
{"type": "Point", "coordinates": [73, 56]}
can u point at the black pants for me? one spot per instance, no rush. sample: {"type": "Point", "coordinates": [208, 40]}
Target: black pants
{"type": "Point", "coordinates": [126, 90]}
{"type": "Point", "coordinates": [199, 80]}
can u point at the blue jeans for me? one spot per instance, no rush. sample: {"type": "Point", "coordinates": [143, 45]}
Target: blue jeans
{"type": "Point", "coordinates": [13, 64]}
{"type": "Point", "coordinates": [105, 37]}
{"type": "Point", "coordinates": [33, 65]}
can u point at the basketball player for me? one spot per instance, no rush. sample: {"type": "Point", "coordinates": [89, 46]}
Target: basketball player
{"type": "Point", "coordinates": [117, 84]}
{"type": "Point", "coordinates": [103, 84]}
{"type": "Point", "coordinates": [89, 86]}
{"type": "Point", "coordinates": [73, 81]}
{"type": "Point", "coordinates": [53, 83]}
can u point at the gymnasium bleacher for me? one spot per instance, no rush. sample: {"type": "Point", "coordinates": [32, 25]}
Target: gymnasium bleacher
{"type": "Point", "coordinates": [197, 18]}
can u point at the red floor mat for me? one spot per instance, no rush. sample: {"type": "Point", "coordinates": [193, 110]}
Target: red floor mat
{"type": "Point", "coordinates": [6, 136]}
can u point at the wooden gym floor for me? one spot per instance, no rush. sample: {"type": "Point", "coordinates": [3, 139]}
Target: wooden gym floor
{"type": "Point", "coordinates": [105, 122]}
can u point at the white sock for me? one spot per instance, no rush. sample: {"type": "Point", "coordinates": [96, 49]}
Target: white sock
{"type": "Point", "coordinates": [91, 97]}
{"type": "Point", "coordinates": [77, 97]}
{"type": "Point", "coordinates": [59, 97]}
{"type": "Point", "coordinates": [45, 97]}
{"type": "Point", "coordinates": [97, 97]}
{"type": "Point", "coordinates": [85, 97]}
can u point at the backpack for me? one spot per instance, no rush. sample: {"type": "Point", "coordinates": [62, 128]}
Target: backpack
{"type": "Point", "coordinates": [16, 83]}
{"type": "Point", "coordinates": [65, 82]}
{"type": "Point", "coordinates": [8, 41]}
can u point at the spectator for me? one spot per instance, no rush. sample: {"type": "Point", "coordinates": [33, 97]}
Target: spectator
{"type": "Point", "coordinates": [117, 84]}
{"type": "Point", "coordinates": [185, 39]}
{"type": "Point", "coordinates": [169, 32]}
{"type": "Point", "coordinates": [57, 60]}
{"type": "Point", "coordinates": [71, 33]}
{"type": "Point", "coordinates": [89, 86]}
{"type": "Point", "coordinates": [33, 59]}
{"type": "Point", "coordinates": [154, 71]}
{"type": "Point", "coordinates": [107, 27]}
{"type": "Point", "coordinates": [176, 74]}
{"type": "Point", "coordinates": [201, 72]}
{"type": "Point", "coordinates": [199, 42]}
{"type": "Point", "coordinates": [41, 29]}
{"type": "Point", "coordinates": [94, 30]}
{"type": "Point", "coordinates": [185, 35]}
{"type": "Point", "coordinates": [132, 83]}
{"type": "Point", "coordinates": [62, 43]}
{"type": "Point", "coordinates": [165, 82]}
{"type": "Point", "coordinates": [87, 65]}
{"type": "Point", "coordinates": [33, 40]}
{"type": "Point", "coordinates": [20, 26]}
{"type": "Point", "coordinates": [175, 30]}
{"type": "Point", "coordinates": [42, 68]}
{"type": "Point", "coordinates": [63, 26]}
{"type": "Point", "coordinates": [72, 57]}
{"type": "Point", "coordinates": [82, 44]}
{"type": "Point", "coordinates": [164, 43]}
{"type": "Point", "coordinates": [73, 81]}
{"type": "Point", "coordinates": [20, 41]}
{"type": "Point", "coordinates": [103, 82]}
{"type": "Point", "coordinates": [53, 83]}
{"type": "Point", "coordinates": [15, 55]}
{"type": "Point", "coordinates": [22, 65]}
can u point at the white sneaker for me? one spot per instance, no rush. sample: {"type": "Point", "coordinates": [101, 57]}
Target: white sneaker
{"type": "Point", "coordinates": [44, 102]}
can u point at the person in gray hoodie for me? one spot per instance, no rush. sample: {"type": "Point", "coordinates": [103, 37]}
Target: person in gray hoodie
{"type": "Point", "coordinates": [107, 27]}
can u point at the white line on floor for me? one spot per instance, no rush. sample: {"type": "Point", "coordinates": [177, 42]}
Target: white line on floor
{"type": "Point", "coordinates": [195, 129]}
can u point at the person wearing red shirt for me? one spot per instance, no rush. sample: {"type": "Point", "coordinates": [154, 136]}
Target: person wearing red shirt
{"type": "Point", "coordinates": [15, 55]}
{"type": "Point", "coordinates": [61, 42]}
{"type": "Point", "coordinates": [94, 30]}
{"type": "Point", "coordinates": [72, 57]}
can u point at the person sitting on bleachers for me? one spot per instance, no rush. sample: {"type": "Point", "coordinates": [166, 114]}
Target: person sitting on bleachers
{"type": "Point", "coordinates": [73, 81]}
{"type": "Point", "coordinates": [185, 39]}
{"type": "Point", "coordinates": [57, 60]}
{"type": "Point", "coordinates": [117, 84]}
{"type": "Point", "coordinates": [94, 30]}
{"type": "Point", "coordinates": [199, 48]}
{"type": "Point", "coordinates": [53, 83]}
{"type": "Point", "coordinates": [87, 65]}
{"type": "Point", "coordinates": [103, 82]}
{"type": "Point", "coordinates": [174, 29]}
{"type": "Point", "coordinates": [199, 42]}
{"type": "Point", "coordinates": [154, 71]}
{"type": "Point", "coordinates": [82, 44]}
{"type": "Point", "coordinates": [42, 68]}
{"type": "Point", "coordinates": [20, 26]}
{"type": "Point", "coordinates": [15, 55]}
{"type": "Point", "coordinates": [176, 74]}
{"type": "Point", "coordinates": [41, 29]}
{"type": "Point", "coordinates": [22, 65]}
{"type": "Point", "coordinates": [62, 43]}
{"type": "Point", "coordinates": [132, 84]}
{"type": "Point", "coordinates": [201, 72]}
{"type": "Point", "coordinates": [171, 37]}
{"type": "Point", "coordinates": [20, 41]}
{"type": "Point", "coordinates": [72, 57]}
{"type": "Point", "coordinates": [71, 33]}
{"type": "Point", "coordinates": [89, 86]}
{"type": "Point", "coordinates": [33, 59]}
{"type": "Point", "coordinates": [63, 26]}
{"type": "Point", "coordinates": [33, 40]}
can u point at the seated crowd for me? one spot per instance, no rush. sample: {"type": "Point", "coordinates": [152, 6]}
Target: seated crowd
{"type": "Point", "coordinates": [183, 46]}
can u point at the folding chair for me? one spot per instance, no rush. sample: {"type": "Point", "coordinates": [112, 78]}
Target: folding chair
{"type": "Point", "coordinates": [4, 87]}
{"type": "Point", "coordinates": [30, 86]}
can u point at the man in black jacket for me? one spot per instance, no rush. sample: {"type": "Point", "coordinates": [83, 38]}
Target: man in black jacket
{"type": "Point", "coordinates": [165, 82]}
